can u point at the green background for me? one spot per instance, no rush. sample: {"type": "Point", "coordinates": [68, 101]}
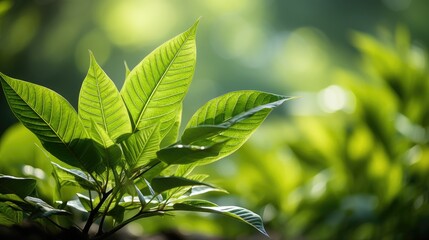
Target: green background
{"type": "Point", "coordinates": [349, 157]}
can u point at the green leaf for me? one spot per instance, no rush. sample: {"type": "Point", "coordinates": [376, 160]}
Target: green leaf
{"type": "Point", "coordinates": [140, 196]}
{"type": "Point", "coordinates": [161, 184]}
{"type": "Point", "coordinates": [11, 197]}
{"type": "Point", "coordinates": [73, 177]}
{"type": "Point", "coordinates": [239, 213]}
{"type": "Point", "coordinates": [42, 209]}
{"type": "Point", "coordinates": [99, 99]}
{"type": "Point", "coordinates": [158, 197]}
{"type": "Point", "coordinates": [127, 70]}
{"type": "Point", "coordinates": [86, 202]}
{"type": "Point", "coordinates": [198, 190]}
{"type": "Point", "coordinates": [154, 90]}
{"type": "Point", "coordinates": [230, 119]}
{"type": "Point", "coordinates": [141, 147]}
{"type": "Point", "coordinates": [201, 132]}
{"type": "Point", "coordinates": [185, 154]}
{"type": "Point", "coordinates": [53, 120]}
{"type": "Point", "coordinates": [109, 151]}
{"type": "Point", "coordinates": [173, 133]}
{"type": "Point", "coordinates": [76, 204]}
{"type": "Point", "coordinates": [9, 216]}
{"type": "Point", "coordinates": [22, 187]}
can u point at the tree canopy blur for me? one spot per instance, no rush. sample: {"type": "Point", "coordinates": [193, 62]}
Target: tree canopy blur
{"type": "Point", "coordinates": [348, 158]}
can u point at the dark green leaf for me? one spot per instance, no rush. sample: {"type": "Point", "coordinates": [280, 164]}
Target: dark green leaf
{"type": "Point", "coordinates": [9, 216]}
{"type": "Point", "coordinates": [42, 209]}
{"type": "Point", "coordinates": [73, 177]}
{"type": "Point", "coordinates": [22, 187]}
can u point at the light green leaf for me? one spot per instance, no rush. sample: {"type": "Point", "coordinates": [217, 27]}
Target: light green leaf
{"type": "Point", "coordinates": [173, 133]}
{"type": "Point", "coordinates": [161, 184]}
{"type": "Point", "coordinates": [127, 69]}
{"type": "Point", "coordinates": [73, 177]}
{"type": "Point", "coordinates": [53, 120]}
{"type": "Point", "coordinates": [239, 213]}
{"type": "Point", "coordinates": [109, 151]}
{"type": "Point", "coordinates": [201, 132]}
{"type": "Point", "coordinates": [22, 187]}
{"type": "Point", "coordinates": [100, 100]}
{"type": "Point", "coordinates": [229, 119]}
{"type": "Point", "coordinates": [154, 90]}
{"type": "Point", "coordinates": [141, 147]}
{"type": "Point", "coordinates": [198, 190]}
{"type": "Point", "coordinates": [185, 154]}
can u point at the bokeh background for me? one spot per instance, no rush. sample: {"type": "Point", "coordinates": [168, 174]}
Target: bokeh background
{"type": "Point", "coordinates": [348, 159]}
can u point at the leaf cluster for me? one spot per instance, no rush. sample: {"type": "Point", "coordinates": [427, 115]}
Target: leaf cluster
{"type": "Point", "coordinates": [122, 148]}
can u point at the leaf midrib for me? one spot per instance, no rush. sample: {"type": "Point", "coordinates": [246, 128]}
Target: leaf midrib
{"type": "Point", "coordinates": [159, 83]}
{"type": "Point", "coordinates": [97, 82]}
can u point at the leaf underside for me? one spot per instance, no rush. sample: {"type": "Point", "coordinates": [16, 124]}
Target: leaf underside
{"type": "Point", "coordinates": [238, 213]}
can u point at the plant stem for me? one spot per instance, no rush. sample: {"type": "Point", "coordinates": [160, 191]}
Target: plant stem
{"type": "Point", "coordinates": [94, 212]}
{"type": "Point", "coordinates": [134, 218]}
{"type": "Point", "coordinates": [100, 228]}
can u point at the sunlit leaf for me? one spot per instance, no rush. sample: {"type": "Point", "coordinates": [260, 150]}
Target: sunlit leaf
{"type": "Point", "coordinates": [22, 187]}
{"type": "Point", "coordinates": [173, 133]}
{"type": "Point", "coordinates": [198, 190]}
{"type": "Point", "coordinates": [141, 147]}
{"type": "Point", "coordinates": [154, 90]}
{"type": "Point", "coordinates": [100, 100]}
{"type": "Point", "coordinates": [239, 213]}
{"type": "Point", "coordinates": [185, 154]}
{"type": "Point", "coordinates": [109, 151]}
{"type": "Point", "coordinates": [53, 120]}
{"type": "Point", "coordinates": [230, 119]}
{"type": "Point", "coordinates": [161, 184]}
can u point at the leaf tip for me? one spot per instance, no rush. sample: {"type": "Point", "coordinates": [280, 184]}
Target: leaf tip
{"type": "Point", "coordinates": [91, 57]}
{"type": "Point", "coordinates": [193, 28]}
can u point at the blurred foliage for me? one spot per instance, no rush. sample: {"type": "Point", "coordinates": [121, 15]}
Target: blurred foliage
{"type": "Point", "coordinates": [349, 158]}
{"type": "Point", "coordinates": [336, 172]}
